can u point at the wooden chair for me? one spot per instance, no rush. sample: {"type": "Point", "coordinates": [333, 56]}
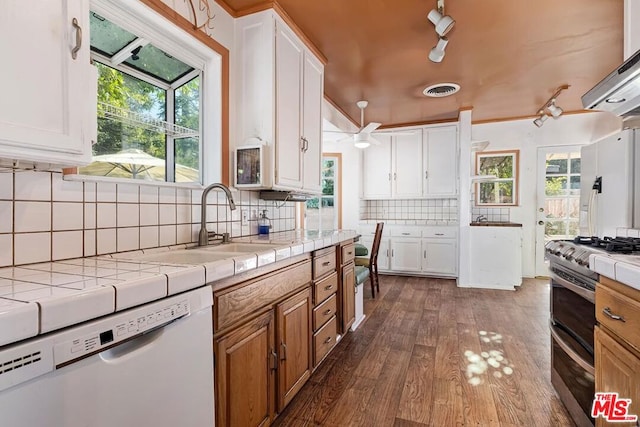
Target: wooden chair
{"type": "Point", "coordinates": [369, 266]}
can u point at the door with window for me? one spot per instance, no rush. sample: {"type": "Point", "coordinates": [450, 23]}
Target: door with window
{"type": "Point", "coordinates": [558, 208]}
{"type": "Point", "coordinates": [324, 212]}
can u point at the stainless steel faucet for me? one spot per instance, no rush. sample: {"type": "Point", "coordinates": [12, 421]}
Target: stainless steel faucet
{"type": "Point", "coordinates": [481, 218]}
{"type": "Point", "coordinates": [203, 237]}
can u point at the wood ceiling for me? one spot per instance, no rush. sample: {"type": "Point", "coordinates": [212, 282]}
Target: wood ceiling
{"type": "Point", "coordinates": [508, 56]}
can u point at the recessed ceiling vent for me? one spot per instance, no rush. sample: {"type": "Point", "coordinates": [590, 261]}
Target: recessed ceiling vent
{"type": "Point", "coordinates": [441, 90]}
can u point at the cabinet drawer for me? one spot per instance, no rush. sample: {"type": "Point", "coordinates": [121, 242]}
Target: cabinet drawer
{"type": "Point", "coordinates": [324, 264]}
{"type": "Point", "coordinates": [406, 232]}
{"type": "Point", "coordinates": [348, 253]}
{"type": "Point", "coordinates": [324, 312]}
{"type": "Point", "coordinates": [611, 303]}
{"type": "Point", "coordinates": [324, 340]}
{"type": "Point", "coordinates": [324, 288]}
{"type": "Point", "coordinates": [440, 232]}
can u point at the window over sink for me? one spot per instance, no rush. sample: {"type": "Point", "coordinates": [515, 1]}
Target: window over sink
{"type": "Point", "coordinates": [502, 188]}
{"type": "Point", "coordinates": [155, 83]}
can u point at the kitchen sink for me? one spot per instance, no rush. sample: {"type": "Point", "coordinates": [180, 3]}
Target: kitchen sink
{"type": "Point", "coordinates": [196, 256]}
{"type": "Point", "coordinates": [240, 247]}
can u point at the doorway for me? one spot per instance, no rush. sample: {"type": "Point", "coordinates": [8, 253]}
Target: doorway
{"type": "Point", "coordinates": [325, 211]}
{"type": "Point", "coordinates": [558, 199]}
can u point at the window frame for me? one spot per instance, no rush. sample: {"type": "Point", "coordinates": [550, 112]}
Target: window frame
{"type": "Point", "coordinates": [514, 178]}
{"type": "Point", "coordinates": [171, 36]}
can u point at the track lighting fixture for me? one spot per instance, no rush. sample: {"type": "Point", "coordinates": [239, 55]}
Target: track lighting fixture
{"type": "Point", "coordinates": [442, 22]}
{"type": "Point", "coordinates": [437, 53]}
{"type": "Point", "coordinates": [550, 108]}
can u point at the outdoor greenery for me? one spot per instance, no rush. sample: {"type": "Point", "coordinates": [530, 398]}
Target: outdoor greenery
{"type": "Point", "coordinates": [501, 189]}
{"type": "Point", "coordinates": [129, 93]}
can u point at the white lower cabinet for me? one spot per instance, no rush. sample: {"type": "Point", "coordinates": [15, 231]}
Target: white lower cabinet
{"type": "Point", "coordinates": [405, 254]}
{"type": "Point", "coordinates": [429, 251]}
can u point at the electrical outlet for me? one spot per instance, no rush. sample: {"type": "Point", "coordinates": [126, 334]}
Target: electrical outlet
{"type": "Point", "coordinates": [245, 216]}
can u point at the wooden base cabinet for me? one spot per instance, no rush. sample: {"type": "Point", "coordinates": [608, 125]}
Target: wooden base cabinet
{"type": "Point", "coordinates": [348, 296]}
{"type": "Point", "coordinates": [293, 320]}
{"type": "Point", "coordinates": [246, 364]}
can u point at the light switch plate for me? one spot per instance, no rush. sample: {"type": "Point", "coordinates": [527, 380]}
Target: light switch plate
{"type": "Point", "coordinates": [245, 216]}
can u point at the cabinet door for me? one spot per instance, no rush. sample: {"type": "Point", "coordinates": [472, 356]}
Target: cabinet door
{"type": "Point", "coordinates": [407, 165]}
{"type": "Point", "coordinates": [245, 372]}
{"type": "Point", "coordinates": [405, 254]}
{"type": "Point", "coordinates": [376, 170]}
{"type": "Point", "coordinates": [348, 296]}
{"type": "Point", "coordinates": [617, 370]}
{"type": "Point", "coordinates": [383, 252]}
{"type": "Point", "coordinates": [312, 123]}
{"type": "Point", "coordinates": [51, 116]}
{"type": "Point", "coordinates": [440, 161]}
{"type": "Point", "coordinates": [289, 146]}
{"type": "Point", "coordinates": [439, 256]}
{"type": "Point", "coordinates": [294, 339]}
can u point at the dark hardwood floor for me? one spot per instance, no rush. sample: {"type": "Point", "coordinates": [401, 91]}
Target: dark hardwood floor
{"type": "Point", "coordinates": [432, 354]}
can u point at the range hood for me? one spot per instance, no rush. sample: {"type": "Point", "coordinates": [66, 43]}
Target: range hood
{"type": "Point", "coordinates": [619, 92]}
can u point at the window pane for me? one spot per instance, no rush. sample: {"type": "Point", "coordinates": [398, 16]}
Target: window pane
{"type": "Point", "coordinates": [575, 165]}
{"type": "Point", "coordinates": [574, 228]}
{"type": "Point", "coordinates": [500, 166]}
{"type": "Point", "coordinates": [106, 37]}
{"type": "Point", "coordinates": [187, 152]}
{"type": "Point", "coordinates": [156, 63]}
{"type": "Point", "coordinates": [574, 207]}
{"type": "Point", "coordinates": [556, 186]}
{"type": "Point", "coordinates": [327, 186]}
{"type": "Point", "coordinates": [328, 168]}
{"type": "Point", "coordinates": [556, 208]}
{"type": "Point", "coordinates": [555, 228]}
{"type": "Point", "coordinates": [555, 166]}
{"type": "Point", "coordinates": [187, 104]}
{"type": "Point", "coordinates": [575, 185]}
{"type": "Point", "coordinates": [505, 193]}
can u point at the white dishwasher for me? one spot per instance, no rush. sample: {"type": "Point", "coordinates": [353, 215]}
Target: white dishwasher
{"type": "Point", "coordinates": [151, 365]}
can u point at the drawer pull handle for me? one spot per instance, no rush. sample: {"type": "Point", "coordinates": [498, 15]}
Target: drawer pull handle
{"type": "Point", "coordinates": [328, 312]}
{"type": "Point", "coordinates": [328, 340]}
{"type": "Point", "coordinates": [608, 313]}
{"type": "Point", "coordinates": [328, 287]}
{"type": "Point", "coordinates": [74, 51]}
{"type": "Point", "coordinates": [349, 253]}
{"type": "Point", "coordinates": [326, 263]}
{"type": "Point", "coordinates": [439, 234]}
{"type": "Point", "coordinates": [406, 234]}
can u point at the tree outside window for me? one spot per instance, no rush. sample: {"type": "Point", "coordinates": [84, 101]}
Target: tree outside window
{"type": "Point", "coordinates": [502, 188]}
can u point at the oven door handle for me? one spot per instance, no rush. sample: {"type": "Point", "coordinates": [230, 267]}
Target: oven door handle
{"type": "Point", "coordinates": [584, 293]}
{"type": "Point", "coordinates": [570, 352]}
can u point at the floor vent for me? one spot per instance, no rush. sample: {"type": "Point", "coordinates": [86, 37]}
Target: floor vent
{"type": "Point", "coordinates": [19, 362]}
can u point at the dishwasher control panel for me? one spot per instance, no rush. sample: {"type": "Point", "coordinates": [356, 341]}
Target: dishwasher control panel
{"type": "Point", "coordinates": [118, 328]}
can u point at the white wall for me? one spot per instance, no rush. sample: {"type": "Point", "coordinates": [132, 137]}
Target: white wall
{"type": "Point", "coordinates": [573, 129]}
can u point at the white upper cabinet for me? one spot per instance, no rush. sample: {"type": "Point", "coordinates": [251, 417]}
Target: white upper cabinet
{"type": "Point", "coordinates": [440, 161]}
{"type": "Point", "coordinates": [48, 113]}
{"type": "Point", "coordinates": [280, 84]}
{"type": "Point", "coordinates": [407, 165]}
{"type": "Point", "coordinates": [376, 170]}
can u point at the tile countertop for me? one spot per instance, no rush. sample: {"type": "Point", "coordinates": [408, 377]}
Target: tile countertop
{"type": "Point", "coordinates": [623, 268]}
{"type": "Point", "coordinates": [40, 298]}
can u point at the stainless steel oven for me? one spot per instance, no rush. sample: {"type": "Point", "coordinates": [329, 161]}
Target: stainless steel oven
{"type": "Point", "coordinates": [572, 324]}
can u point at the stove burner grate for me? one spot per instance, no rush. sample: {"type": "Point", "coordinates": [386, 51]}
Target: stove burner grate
{"type": "Point", "coordinates": [624, 245]}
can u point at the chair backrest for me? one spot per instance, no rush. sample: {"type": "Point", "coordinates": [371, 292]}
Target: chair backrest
{"type": "Point", "coordinates": [373, 258]}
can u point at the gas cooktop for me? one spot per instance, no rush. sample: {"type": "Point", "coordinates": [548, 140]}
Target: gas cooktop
{"type": "Point", "coordinates": [623, 245]}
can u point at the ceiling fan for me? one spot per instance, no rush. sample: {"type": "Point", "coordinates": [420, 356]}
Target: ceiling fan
{"type": "Point", "coordinates": [363, 137]}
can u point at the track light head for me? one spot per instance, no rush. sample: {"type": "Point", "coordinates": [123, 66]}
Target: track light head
{"type": "Point", "coordinates": [554, 109]}
{"type": "Point", "coordinates": [437, 53]}
{"type": "Point", "coordinates": [443, 23]}
{"type": "Point", "coordinates": [540, 120]}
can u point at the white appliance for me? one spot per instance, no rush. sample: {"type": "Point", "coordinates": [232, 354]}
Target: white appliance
{"type": "Point", "coordinates": [607, 185]}
{"type": "Point", "coordinates": [147, 366]}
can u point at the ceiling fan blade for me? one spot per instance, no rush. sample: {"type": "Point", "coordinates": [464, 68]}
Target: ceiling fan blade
{"type": "Point", "coordinates": [396, 133]}
{"type": "Point", "coordinates": [370, 127]}
{"type": "Point", "coordinates": [338, 131]}
{"type": "Point", "coordinates": [345, 139]}
{"type": "Point", "coordinates": [374, 141]}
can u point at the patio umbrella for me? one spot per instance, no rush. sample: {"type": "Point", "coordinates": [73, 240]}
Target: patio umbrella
{"type": "Point", "coordinates": [136, 164]}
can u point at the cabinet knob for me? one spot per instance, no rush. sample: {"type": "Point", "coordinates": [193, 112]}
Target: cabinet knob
{"type": "Point", "coordinates": [327, 312]}
{"type": "Point", "coordinates": [328, 287]}
{"type": "Point", "coordinates": [326, 263]}
{"type": "Point", "coordinates": [328, 340]}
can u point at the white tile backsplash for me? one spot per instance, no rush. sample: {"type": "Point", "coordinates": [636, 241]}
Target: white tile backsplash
{"type": "Point", "coordinates": [68, 216]}
{"type": "Point", "coordinates": [31, 247]}
{"type": "Point", "coordinates": [67, 244]}
{"type": "Point", "coordinates": [32, 186]}
{"type": "Point", "coordinates": [442, 210]}
{"type": "Point", "coordinates": [32, 216]}
{"type": "Point", "coordinates": [49, 218]}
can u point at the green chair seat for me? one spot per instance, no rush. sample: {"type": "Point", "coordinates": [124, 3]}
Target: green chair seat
{"type": "Point", "coordinates": [362, 273]}
{"type": "Point", "coordinates": [361, 250]}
